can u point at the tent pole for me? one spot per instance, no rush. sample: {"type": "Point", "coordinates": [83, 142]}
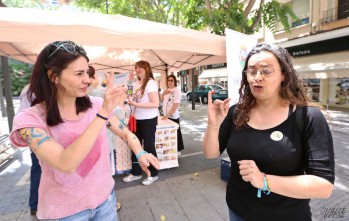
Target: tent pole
{"type": "Point", "coordinates": [2, 101]}
{"type": "Point", "coordinates": [8, 91]}
{"type": "Point", "coordinates": [192, 89]}
{"type": "Point", "coordinates": [166, 69]}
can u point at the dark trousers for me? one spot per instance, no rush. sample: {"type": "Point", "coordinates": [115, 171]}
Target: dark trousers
{"type": "Point", "coordinates": [146, 134]}
{"type": "Point", "coordinates": [180, 144]}
{"type": "Point", "coordinates": [35, 175]}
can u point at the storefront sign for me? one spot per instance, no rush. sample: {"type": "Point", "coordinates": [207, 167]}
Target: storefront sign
{"type": "Point", "coordinates": [320, 47]}
{"type": "Point", "coordinates": [213, 66]}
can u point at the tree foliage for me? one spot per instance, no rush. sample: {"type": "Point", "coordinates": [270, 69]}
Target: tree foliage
{"type": "Point", "coordinates": [215, 15]}
{"type": "Point", "coordinates": [20, 74]}
{"type": "Point", "coordinates": [164, 11]}
{"type": "Point", "coordinates": [28, 4]}
{"type": "Point", "coordinates": [241, 16]}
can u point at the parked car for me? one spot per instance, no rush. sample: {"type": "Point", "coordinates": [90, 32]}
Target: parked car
{"type": "Point", "coordinates": [201, 91]}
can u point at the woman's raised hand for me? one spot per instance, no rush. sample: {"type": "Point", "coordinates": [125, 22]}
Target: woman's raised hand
{"type": "Point", "coordinates": [113, 94]}
{"type": "Point", "coordinates": [217, 110]}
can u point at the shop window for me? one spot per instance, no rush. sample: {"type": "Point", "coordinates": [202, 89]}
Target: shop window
{"type": "Point", "coordinates": [302, 10]}
{"type": "Point", "coordinates": [312, 87]}
{"type": "Point", "coordinates": [342, 91]}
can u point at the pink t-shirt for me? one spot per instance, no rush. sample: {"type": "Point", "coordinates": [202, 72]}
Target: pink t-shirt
{"type": "Point", "coordinates": [62, 194]}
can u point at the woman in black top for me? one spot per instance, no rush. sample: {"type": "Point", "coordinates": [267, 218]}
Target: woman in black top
{"type": "Point", "coordinates": [280, 145]}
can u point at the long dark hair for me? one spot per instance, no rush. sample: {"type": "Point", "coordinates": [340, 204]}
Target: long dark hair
{"type": "Point", "coordinates": [148, 74]}
{"type": "Point", "coordinates": [42, 86]}
{"type": "Point", "coordinates": [291, 88]}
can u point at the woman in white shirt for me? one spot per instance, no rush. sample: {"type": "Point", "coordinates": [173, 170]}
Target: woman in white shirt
{"type": "Point", "coordinates": [171, 101]}
{"type": "Point", "coordinates": [145, 104]}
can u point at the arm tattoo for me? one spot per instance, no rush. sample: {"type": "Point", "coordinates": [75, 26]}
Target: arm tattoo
{"type": "Point", "coordinates": [33, 136]}
{"type": "Point", "coordinates": [121, 126]}
{"type": "Point", "coordinates": [43, 140]}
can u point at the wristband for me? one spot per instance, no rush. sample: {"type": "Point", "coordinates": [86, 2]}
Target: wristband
{"type": "Point", "coordinates": [266, 187]}
{"type": "Point", "coordinates": [102, 117]}
{"type": "Point", "coordinates": [141, 153]}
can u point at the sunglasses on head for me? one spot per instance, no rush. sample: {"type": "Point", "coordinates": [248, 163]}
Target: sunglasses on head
{"type": "Point", "coordinates": [68, 46]}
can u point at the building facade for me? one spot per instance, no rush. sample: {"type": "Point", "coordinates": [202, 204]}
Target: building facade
{"type": "Point", "coordinates": [319, 44]}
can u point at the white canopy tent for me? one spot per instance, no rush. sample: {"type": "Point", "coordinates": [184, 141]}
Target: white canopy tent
{"type": "Point", "coordinates": [111, 41]}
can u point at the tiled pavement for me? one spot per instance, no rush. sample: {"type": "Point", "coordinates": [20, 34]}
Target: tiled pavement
{"type": "Point", "coordinates": [193, 191]}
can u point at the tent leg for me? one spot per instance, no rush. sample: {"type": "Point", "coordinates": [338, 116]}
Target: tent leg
{"type": "Point", "coordinates": [8, 91]}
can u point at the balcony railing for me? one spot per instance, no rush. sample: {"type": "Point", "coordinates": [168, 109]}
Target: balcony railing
{"type": "Point", "coordinates": [329, 15]}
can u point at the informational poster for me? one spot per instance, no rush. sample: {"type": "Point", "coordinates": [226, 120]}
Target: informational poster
{"type": "Point", "coordinates": [238, 45]}
{"type": "Point", "coordinates": [119, 79]}
{"type": "Point", "coordinates": [166, 143]}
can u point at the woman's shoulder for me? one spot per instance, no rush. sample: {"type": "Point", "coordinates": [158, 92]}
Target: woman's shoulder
{"type": "Point", "coordinates": [35, 111]}
{"type": "Point", "coordinates": [313, 111]}
{"type": "Point", "coordinates": [152, 84]}
{"type": "Point", "coordinates": [315, 114]}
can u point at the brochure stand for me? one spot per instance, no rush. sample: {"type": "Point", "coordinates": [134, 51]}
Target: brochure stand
{"type": "Point", "coordinates": [166, 143]}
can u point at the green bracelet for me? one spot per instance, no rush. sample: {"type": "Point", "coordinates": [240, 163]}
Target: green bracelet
{"type": "Point", "coordinates": [138, 155]}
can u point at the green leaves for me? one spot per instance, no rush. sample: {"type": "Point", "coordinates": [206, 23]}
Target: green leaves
{"type": "Point", "coordinates": [20, 74]}
{"type": "Point", "coordinates": [276, 12]}
{"type": "Point", "coordinates": [214, 15]}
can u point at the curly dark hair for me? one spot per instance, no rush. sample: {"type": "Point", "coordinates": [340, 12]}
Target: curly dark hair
{"type": "Point", "coordinates": [291, 88]}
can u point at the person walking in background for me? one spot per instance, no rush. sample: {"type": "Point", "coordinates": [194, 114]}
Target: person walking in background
{"type": "Point", "coordinates": [145, 104]}
{"type": "Point", "coordinates": [66, 129]}
{"type": "Point", "coordinates": [35, 169]}
{"type": "Point", "coordinates": [171, 100]}
{"type": "Point", "coordinates": [279, 143]}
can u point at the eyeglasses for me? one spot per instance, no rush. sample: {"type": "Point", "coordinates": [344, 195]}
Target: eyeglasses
{"type": "Point", "coordinates": [253, 73]}
{"type": "Point", "coordinates": [68, 46]}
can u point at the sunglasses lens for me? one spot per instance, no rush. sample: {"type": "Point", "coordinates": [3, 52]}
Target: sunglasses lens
{"type": "Point", "coordinates": [68, 46]}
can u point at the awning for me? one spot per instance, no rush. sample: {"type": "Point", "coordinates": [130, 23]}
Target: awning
{"type": "Point", "coordinates": [214, 73]}
{"type": "Point", "coordinates": [331, 65]}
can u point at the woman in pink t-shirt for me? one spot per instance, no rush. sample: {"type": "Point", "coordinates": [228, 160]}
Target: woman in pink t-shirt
{"type": "Point", "coordinates": [66, 129]}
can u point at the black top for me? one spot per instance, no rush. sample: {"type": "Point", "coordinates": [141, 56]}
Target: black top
{"type": "Point", "coordinates": [299, 151]}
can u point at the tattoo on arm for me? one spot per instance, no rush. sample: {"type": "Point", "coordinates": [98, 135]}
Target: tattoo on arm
{"type": "Point", "coordinates": [34, 136]}
{"type": "Point", "coordinates": [121, 126]}
{"type": "Point", "coordinates": [42, 140]}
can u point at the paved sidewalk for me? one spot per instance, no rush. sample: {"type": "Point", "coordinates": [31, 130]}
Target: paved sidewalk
{"type": "Point", "coordinates": [193, 191]}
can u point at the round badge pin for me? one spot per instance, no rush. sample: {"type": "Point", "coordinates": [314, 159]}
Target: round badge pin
{"type": "Point", "coordinates": [276, 135]}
